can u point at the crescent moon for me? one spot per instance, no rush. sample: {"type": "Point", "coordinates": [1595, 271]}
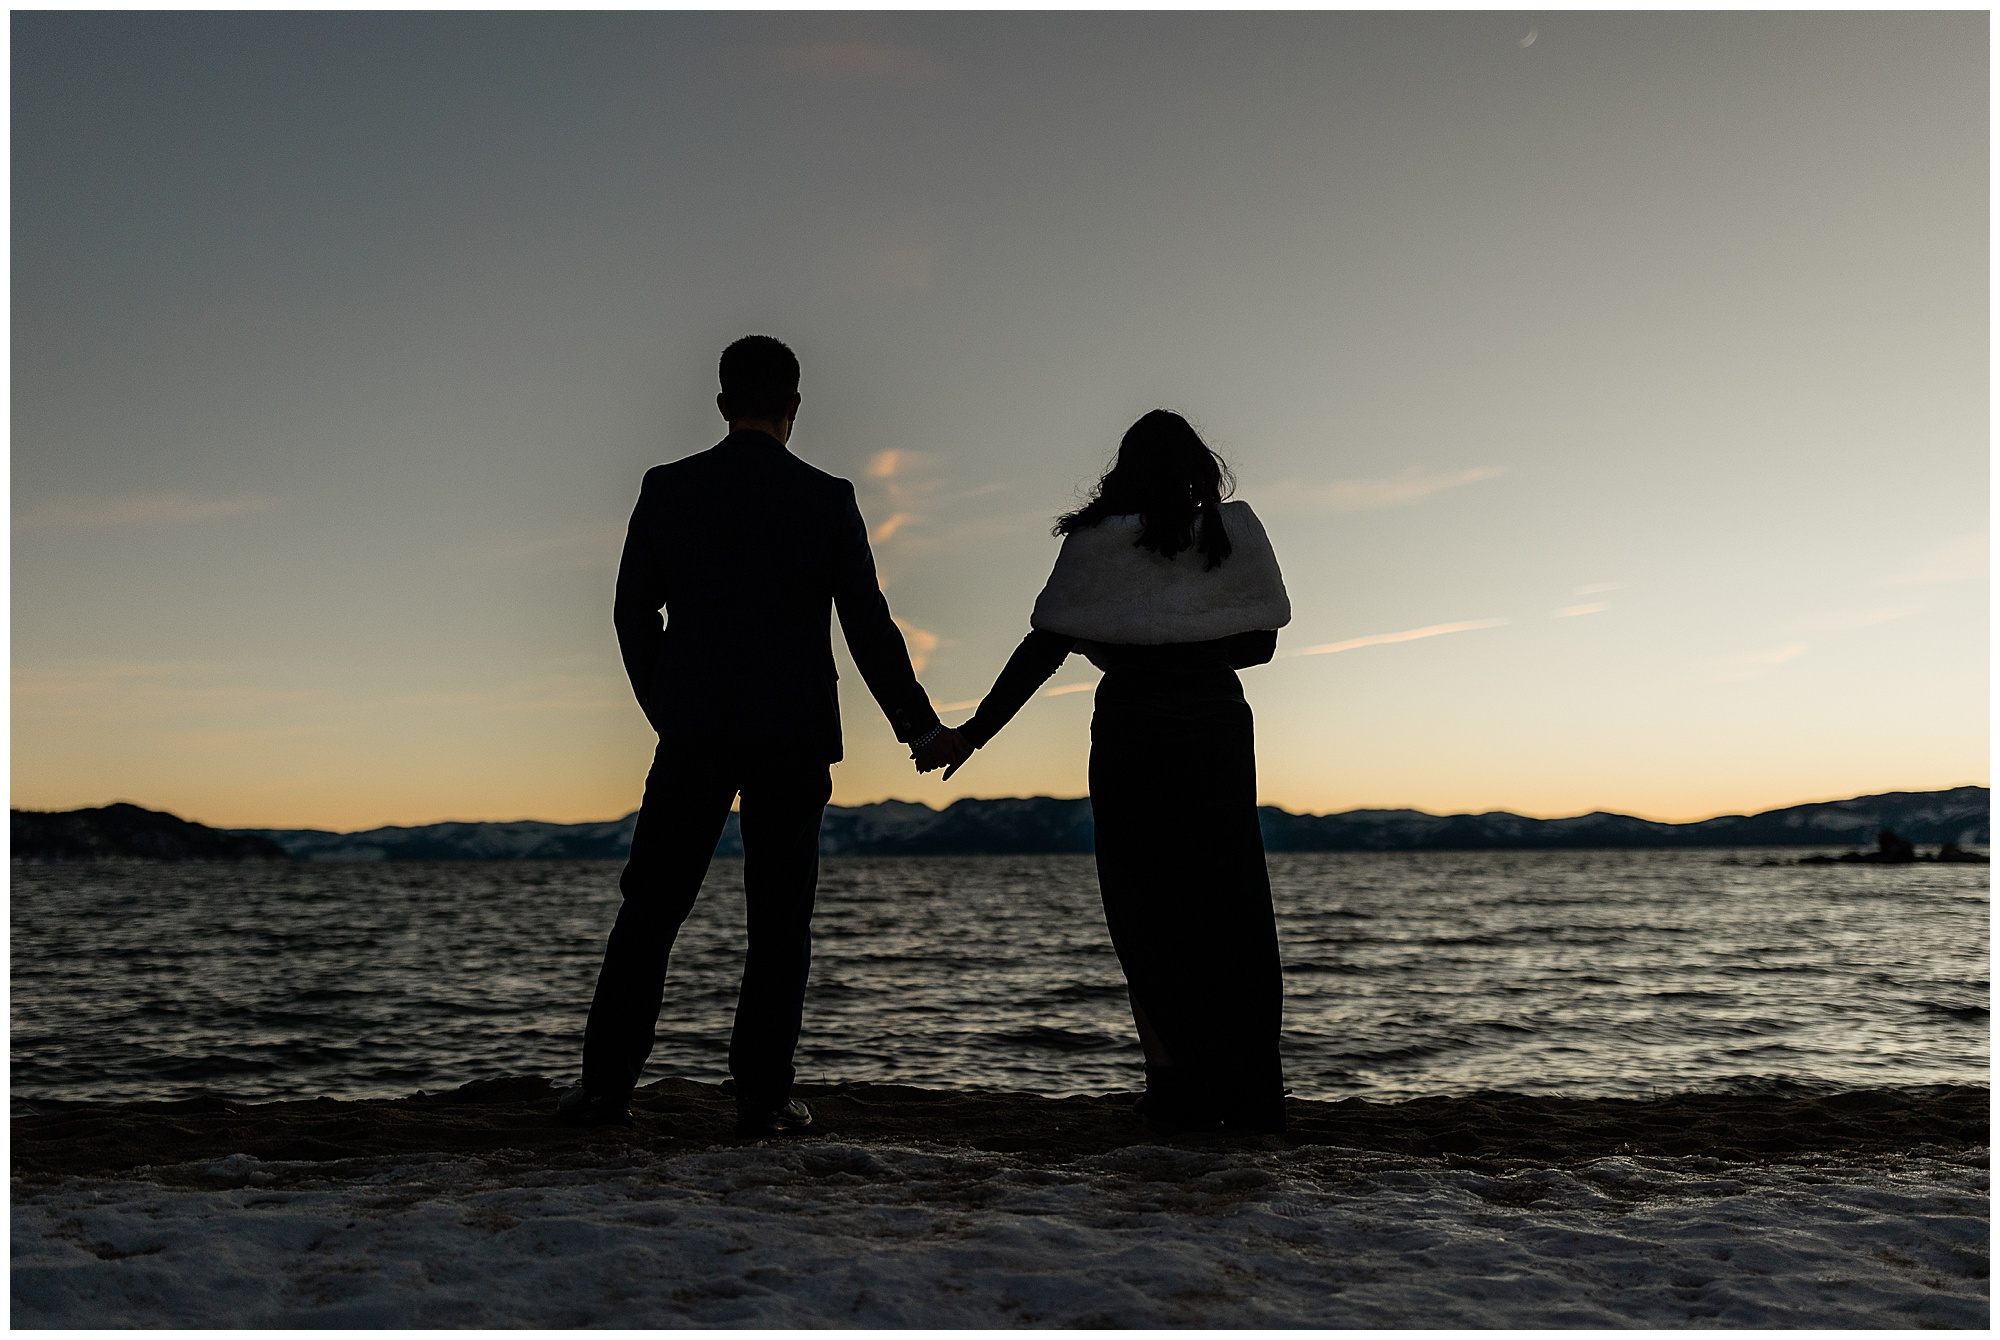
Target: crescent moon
{"type": "Point", "coordinates": [1529, 40]}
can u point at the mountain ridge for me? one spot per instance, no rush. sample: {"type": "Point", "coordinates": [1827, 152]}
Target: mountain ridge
{"type": "Point", "coordinates": [1043, 824]}
{"type": "Point", "coordinates": [122, 832]}
{"type": "Point", "coordinates": [1028, 825]}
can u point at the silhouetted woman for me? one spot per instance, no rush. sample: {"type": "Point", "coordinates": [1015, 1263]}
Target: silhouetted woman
{"type": "Point", "coordinates": [1170, 591]}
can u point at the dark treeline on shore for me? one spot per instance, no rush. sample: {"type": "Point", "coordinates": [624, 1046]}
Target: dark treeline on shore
{"type": "Point", "coordinates": [1031, 825]}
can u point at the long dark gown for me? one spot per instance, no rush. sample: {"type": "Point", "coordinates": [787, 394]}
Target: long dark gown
{"type": "Point", "coordinates": [1180, 862]}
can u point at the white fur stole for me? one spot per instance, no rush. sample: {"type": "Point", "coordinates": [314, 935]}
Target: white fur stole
{"type": "Point", "coordinates": [1105, 588]}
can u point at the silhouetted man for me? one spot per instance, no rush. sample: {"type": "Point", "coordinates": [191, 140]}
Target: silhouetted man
{"type": "Point", "coordinates": [747, 548]}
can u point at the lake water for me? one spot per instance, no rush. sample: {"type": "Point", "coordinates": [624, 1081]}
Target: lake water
{"type": "Point", "coordinates": [1582, 973]}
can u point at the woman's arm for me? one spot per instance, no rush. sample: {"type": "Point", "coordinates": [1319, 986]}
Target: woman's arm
{"type": "Point", "coordinates": [1039, 656]}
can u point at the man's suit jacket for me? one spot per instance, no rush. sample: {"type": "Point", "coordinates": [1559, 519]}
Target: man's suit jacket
{"type": "Point", "coordinates": [749, 549]}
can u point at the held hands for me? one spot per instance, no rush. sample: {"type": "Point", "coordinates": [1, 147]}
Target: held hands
{"type": "Point", "coordinates": [946, 749]}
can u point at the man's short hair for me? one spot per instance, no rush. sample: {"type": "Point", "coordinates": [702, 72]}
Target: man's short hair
{"type": "Point", "coordinates": [759, 377]}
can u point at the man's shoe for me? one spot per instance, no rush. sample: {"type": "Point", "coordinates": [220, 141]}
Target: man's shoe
{"type": "Point", "coordinates": [790, 1119]}
{"type": "Point", "coordinates": [580, 1107]}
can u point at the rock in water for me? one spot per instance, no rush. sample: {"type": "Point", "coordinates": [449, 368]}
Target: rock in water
{"type": "Point", "coordinates": [1890, 846]}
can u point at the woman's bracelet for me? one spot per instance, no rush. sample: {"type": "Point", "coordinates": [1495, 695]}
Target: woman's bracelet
{"type": "Point", "coordinates": [930, 735]}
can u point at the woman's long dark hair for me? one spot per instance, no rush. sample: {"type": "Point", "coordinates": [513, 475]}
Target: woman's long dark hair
{"type": "Point", "coordinates": [1168, 475]}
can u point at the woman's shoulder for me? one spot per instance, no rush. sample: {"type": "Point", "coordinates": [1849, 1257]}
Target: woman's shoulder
{"type": "Point", "coordinates": [1242, 524]}
{"type": "Point", "coordinates": [1106, 534]}
{"type": "Point", "coordinates": [1115, 521]}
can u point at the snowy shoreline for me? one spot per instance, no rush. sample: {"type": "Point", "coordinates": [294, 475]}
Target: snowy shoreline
{"type": "Point", "coordinates": [837, 1233]}
{"type": "Point", "coordinates": [922, 1207]}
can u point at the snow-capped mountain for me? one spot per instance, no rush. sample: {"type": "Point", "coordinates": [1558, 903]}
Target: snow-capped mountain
{"type": "Point", "coordinates": [1046, 824]}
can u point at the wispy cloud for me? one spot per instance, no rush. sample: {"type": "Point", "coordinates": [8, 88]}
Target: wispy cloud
{"type": "Point", "coordinates": [546, 693]}
{"type": "Point", "coordinates": [885, 464]}
{"type": "Point", "coordinates": [1851, 619]}
{"type": "Point", "coordinates": [1571, 611]}
{"type": "Point", "coordinates": [1407, 635]}
{"type": "Point", "coordinates": [1371, 495]}
{"type": "Point", "coordinates": [126, 690]}
{"type": "Point", "coordinates": [907, 482]}
{"type": "Point", "coordinates": [1056, 692]}
{"type": "Point", "coordinates": [1753, 664]}
{"type": "Point", "coordinates": [888, 529]}
{"type": "Point", "coordinates": [1960, 560]}
{"type": "Point", "coordinates": [162, 691]}
{"type": "Point", "coordinates": [861, 60]}
{"type": "Point", "coordinates": [911, 493]}
{"type": "Point", "coordinates": [146, 509]}
{"type": "Point", "coordinates": [922, 642]}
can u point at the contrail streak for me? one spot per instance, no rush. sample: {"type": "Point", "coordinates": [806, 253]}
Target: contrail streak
{"type": "Point", "coordinates": [1408, 635]}
{"type": "Point", "coordinates": [1056, 692]}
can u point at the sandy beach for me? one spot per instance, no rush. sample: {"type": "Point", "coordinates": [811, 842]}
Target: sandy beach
{"type": "Point", "coordinates": [921, 1207]}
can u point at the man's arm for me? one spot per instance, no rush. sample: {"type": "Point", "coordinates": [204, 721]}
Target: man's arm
{"type": "Point", "coordinates": [642, 589]}
{"type": "Point", "coordinates": [877, 644]}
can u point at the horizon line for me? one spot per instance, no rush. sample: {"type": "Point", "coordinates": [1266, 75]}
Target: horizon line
{"type": "Point", "coordinates": [1358, 809]}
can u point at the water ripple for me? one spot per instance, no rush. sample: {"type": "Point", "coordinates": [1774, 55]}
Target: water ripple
{"type": "Point", "coordinates": [1407, 974]}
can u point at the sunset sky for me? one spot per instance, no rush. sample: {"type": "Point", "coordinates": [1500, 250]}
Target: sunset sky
{"type": "Point", "coordinates": [1613, 387]}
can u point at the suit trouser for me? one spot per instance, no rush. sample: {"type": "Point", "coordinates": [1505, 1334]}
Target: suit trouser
{"type": "Point", "coordinates": [688, 795]}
